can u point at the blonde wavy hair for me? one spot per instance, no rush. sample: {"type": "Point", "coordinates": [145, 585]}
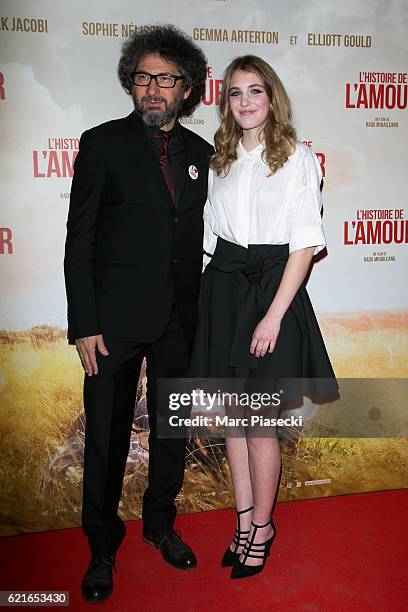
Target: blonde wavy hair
{"type": "Point", "coordinates": [279, 135]}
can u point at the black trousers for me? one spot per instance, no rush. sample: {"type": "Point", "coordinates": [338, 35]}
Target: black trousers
{"type": "Point", "coordinates": [109, 400]}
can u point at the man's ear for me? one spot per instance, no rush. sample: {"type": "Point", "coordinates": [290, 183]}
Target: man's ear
{"type": "Point", "coordinates": [186, 93]}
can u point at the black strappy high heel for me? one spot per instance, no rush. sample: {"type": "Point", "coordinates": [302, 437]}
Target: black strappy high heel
{"type": "Point", "coordinates": [239, 539]}
{"type": "Point", "coordinates": [256, 551]}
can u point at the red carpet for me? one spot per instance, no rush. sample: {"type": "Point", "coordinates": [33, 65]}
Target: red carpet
{"type": "Point", "coordinates": [340, 553]}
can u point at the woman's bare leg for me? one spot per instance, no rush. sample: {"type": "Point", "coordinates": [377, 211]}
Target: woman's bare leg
{"type": "Point", "coordinates": [237, 452]}
{"type": "Point", "coordinates": [264, 460]}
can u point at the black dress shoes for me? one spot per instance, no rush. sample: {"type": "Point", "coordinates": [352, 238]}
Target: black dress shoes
{"type": "Point", "coordinates": [173, 549]}
{"type": "Point", "coordinates": [97, 584]}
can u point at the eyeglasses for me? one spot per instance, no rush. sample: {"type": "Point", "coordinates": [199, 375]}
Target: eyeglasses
{"type": "Point", "coordinates": [142, 79]}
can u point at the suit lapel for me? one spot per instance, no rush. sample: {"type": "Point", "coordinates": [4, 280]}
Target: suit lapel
{"type": "Point", "coordinates": [187, 155]}
{"type": "Point", "coordinates": [186, 195]}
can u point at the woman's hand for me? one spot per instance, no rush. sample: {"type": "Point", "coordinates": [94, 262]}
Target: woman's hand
{"type": "Point", "coordinates": [265, 336]}
{"type": "Point", "coordinates": [267, 330]}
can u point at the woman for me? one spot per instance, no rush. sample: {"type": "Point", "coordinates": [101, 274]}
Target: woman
{"type": "Point", "coordinates": [262, 228]}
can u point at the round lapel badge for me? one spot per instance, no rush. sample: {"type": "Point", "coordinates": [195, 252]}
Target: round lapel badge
{"type": "Point", "coordinates": [193, 172]}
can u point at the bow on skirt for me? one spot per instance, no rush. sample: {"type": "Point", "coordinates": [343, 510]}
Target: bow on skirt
{"type": "Point", "coordinates": [237, 288]}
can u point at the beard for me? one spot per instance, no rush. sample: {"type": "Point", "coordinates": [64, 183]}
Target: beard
{"type": "Point", "coordinates": [155, 117]}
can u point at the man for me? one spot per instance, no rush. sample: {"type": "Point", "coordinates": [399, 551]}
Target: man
{"type": "Point", "coordinates": [132, 267]}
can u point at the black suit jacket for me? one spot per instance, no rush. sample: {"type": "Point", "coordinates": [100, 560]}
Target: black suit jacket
{"type": "Point", "coordinates": [129, 252]}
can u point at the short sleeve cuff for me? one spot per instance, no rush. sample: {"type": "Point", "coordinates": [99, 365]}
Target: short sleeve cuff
{"type": "Point", "coordinates": [210, 239]}
{"type": "Point", "coordinates": [304, 237]}
{"type": "Point", "coordinates": [206, 261]}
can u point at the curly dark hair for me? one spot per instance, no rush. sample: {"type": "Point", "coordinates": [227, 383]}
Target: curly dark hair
{"type": "Point", "coordinates": [172, 45]}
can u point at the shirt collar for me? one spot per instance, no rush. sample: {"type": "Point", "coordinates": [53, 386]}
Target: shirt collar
{"type": "Point", "coordinates": [174, 133]}
{"type": "Point", "coordinates": [256, 153]}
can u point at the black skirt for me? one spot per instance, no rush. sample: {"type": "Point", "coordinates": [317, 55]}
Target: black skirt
{"type": "Point", "coordinates": [237, 288]}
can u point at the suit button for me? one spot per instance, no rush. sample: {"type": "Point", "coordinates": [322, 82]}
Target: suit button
{"type": "Point", "coordinates": [175, 261]}
{"type": "Point", "coordinates": [175, 219]}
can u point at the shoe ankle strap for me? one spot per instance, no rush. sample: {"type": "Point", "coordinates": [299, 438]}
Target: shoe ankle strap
{"type": "Point", "coordinates": [243, 511]}
{"type": "Point", "coordinates": [260, 526]}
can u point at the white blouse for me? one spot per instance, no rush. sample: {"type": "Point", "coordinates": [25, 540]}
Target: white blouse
{"type": "Point", "coordinates": [248, 207]}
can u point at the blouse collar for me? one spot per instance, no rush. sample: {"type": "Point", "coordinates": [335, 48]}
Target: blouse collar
{"type": "Point", "coordinates": [256, 153]}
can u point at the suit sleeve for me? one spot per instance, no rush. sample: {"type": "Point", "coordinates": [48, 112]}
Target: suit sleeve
{"type": "Point", "coordinates": [85, 204]}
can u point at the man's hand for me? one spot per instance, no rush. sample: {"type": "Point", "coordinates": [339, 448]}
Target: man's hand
{"type": "Point", "coordinates": [264, 337]}
{"type": "Point", "coordinates": [86, 348]}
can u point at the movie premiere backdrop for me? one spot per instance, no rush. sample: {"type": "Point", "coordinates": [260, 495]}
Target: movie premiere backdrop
{"type": "Point", "coordinates": [344, 67]}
